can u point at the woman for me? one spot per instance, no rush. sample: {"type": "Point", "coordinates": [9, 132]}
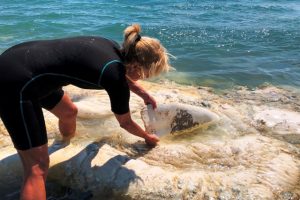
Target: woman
{"type": "Point", "coordinates": [32, 75]}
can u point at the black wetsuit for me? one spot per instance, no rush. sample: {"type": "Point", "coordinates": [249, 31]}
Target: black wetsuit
{"type": "Point", "coordinates": [32, 75]}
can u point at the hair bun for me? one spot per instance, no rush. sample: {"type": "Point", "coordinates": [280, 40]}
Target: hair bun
{"type": "Point", "coordinates": [134, 30]}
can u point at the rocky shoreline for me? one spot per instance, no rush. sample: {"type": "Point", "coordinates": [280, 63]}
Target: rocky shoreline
{"type": "Point", "coordinates": [252, 153]}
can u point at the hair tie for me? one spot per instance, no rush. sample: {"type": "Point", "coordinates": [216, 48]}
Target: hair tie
{"type": "Point", "coordinates": [138, 38]}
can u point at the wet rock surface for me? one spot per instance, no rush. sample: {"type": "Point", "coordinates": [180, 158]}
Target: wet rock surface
{"type": "Point", "coordinates": [252, 152]}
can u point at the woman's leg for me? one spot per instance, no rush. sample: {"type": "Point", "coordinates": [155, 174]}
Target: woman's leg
{"type": "Point", "coordinates": [35, 164]}
{"type": "Point", "coordinates": [66, 111]}
{"type": "Point", "coordinates": [25, 123]}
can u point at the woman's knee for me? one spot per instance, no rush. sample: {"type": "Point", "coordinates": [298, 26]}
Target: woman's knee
{"type": "Point", "coordinates": [35, 161]}
{"type": "Point", "coordinates": [70, 112]}
{"type": "Point", "coordinates": [40, 168]}
{"type": "Point", "coordinates": [65, 109]}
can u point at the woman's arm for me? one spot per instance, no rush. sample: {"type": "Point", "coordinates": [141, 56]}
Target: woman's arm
{"type": "Point", "coordinates": [140, 91]}
{"type": "Point", "coordinates": [129, 125]}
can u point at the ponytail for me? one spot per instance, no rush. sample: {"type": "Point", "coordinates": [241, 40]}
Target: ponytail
{"type": "Point", "coordinates": [131, 37]}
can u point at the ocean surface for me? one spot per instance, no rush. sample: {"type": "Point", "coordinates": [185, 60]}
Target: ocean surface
{"type": "Point", "coordinates": [220, 43]}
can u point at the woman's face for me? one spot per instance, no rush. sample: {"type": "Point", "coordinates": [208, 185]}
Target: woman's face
{"type": "Point", "coordinates": [135, 73]}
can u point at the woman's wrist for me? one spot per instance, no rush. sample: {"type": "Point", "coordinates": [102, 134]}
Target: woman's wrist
{"type": "Point", "coordinates": [146, 135]}
{"type": "Point", "coordinates": [145, 96]}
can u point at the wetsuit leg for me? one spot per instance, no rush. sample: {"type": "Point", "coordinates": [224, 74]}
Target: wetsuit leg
{"type": "Point", "coordinates": [50, 101]}
{"type": "Point", "coordinates": [24, 121]}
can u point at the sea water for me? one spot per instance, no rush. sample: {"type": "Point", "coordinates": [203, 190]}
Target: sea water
{"type": "Point", "coordinates": [219, 43]}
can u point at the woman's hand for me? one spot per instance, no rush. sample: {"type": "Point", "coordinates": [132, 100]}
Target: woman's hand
{"type": "Point", "coordinates": [129, 125]}
{"type": "Point", "coordinates": [151, 139]}
{"type": "Point", "coordinates": [150, 100]}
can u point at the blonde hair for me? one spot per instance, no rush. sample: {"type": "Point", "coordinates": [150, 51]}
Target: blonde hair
{"type": "Point", "coordinates": [146, 52]}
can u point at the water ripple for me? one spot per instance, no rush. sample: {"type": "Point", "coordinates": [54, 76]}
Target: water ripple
{"type": "Point", "coordinates": [205, 36]}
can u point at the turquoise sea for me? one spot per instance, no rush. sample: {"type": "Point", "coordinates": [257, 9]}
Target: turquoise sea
{"type": "Point", "coordinates": [217, 43]}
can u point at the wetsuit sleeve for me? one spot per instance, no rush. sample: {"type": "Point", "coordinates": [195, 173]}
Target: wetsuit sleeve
{"type": "Point", "coordinates": [114, 82]}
